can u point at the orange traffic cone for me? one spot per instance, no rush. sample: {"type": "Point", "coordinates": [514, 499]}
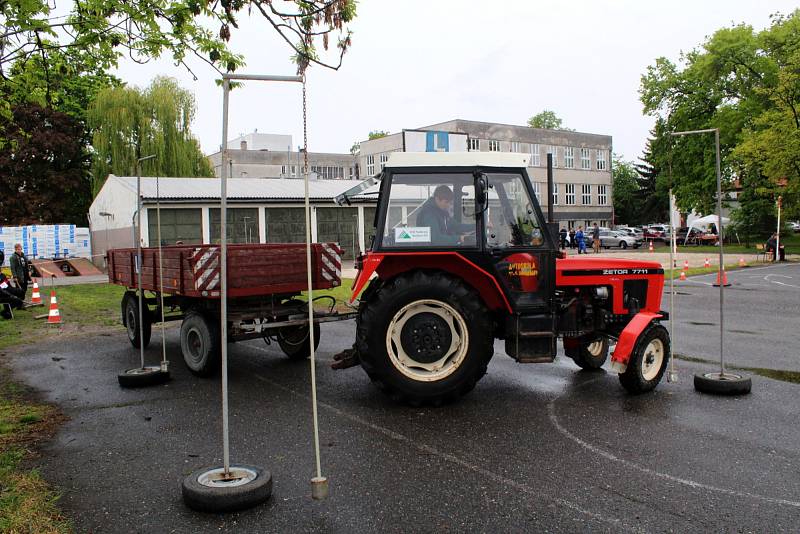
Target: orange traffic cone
{"type": "Point", "coordinates": [651, 246]}
{"type": "Point", "coordinates": [706, 264]}
{"type": "Point", "coordinates": [685, 265]}
{"type": "Point", "coordinates": [683, 275]}
{"type": "Point", "coordinates": [53, 317]}
{"type": "Point", "coordinates": [36, 298]}
{"type": "Point", "coordinates": [725, 282]}
{"type": "Point", "coordinates": [742, 262]}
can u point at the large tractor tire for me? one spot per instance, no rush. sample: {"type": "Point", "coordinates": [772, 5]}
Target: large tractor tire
{"type": "Point", "coordinates": [200, 343]}
{"type": "Point", "coordinates": [130, 318]}
{"type": "Point", "coordinates": [648, 360]}
{"type": "Point", "coordinates": [589, 355]}
{"type": "Point", "coordinates": [424, 337]}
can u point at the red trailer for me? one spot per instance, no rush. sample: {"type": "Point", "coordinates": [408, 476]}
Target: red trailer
{"type": "Point", "coordinates": [264, 283]}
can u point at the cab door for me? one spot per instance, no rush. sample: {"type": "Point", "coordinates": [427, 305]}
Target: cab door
{"type": "Point", "coordinates": [523, 253]}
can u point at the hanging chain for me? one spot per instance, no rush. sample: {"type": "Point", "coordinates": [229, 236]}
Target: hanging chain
{"type": "Point", "coordinates": [305, 128]}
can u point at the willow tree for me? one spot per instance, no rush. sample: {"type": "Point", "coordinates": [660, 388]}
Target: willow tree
{"type": "Point", "coordinates": [129, 123]}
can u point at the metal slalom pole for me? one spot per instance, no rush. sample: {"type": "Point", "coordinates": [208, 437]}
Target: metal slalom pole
{"type": "Point", "coordinates": [164, 363]}
{"type": "Point", "coordinates": [672, 376]}
{"type": "Point", "coordinates": [319, 483]}
{"type": "Point", "coordinates": [223, 274]}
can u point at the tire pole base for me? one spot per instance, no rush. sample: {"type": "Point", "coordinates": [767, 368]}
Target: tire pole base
{"type": "Point", "coordinates": [319, 488]}
{"type": "Point", "coordinates": [722, 383]}
{"type": "Point", "coordinates": [151, 375]}
{"type": "Point", "coordinates": [212, 490]}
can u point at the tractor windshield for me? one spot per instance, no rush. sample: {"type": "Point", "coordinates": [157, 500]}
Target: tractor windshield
{"type": "Point", "coordinates": [511, 220]}
{"type": "Point", "coordinates": [431, 210]}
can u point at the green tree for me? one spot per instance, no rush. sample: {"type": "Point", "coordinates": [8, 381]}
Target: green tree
{"type": "Point", "coordinates": [148, 29]}
{"type": "Point", "coordinates": [625, 190]}
{"type": "Point", "coordinates": [129, 123]}
{"type": "Point", "coordinates": [746, 84]}
{"type": "Point", "coordinates": [547, 119]}
{"type": "Point", "coordinates": [652, 195]}
{"type": "Point", "coordinates": [44, 168]}
{"type": "Point", "coordinates": [377, 134]}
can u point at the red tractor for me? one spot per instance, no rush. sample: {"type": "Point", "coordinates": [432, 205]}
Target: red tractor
{"type": "Point", "coordinates": [462, 255]}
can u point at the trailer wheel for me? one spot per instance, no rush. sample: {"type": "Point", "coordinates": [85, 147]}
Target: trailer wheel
{"type": "Point", "coordinates": [200, 344]}
{"type": "Point", "coordinates": [424, 337]}
{"type": "Point", "coordinates": [648, 360]}
{"type": "Point", "coordinates": [589, 355]}
{"type": "Point", "coordinates": [295, 341]}
{"type": "Point", "coordinates": [130, 318]}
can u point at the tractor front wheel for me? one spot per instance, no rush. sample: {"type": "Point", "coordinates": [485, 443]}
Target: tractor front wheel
{"type": "Point", "coordinates": [648, 360]}
{"type": "Point", "coordinates": [589, 355]}
{"type": "Point", "coordinates": [424, 337]}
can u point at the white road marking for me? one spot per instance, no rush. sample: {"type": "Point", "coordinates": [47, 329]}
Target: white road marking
{"type": "Point", "coordinates": [627, 463]}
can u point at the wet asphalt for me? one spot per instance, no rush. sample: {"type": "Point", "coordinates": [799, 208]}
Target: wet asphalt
{"type": "Point", "coordinates": [537, 447]}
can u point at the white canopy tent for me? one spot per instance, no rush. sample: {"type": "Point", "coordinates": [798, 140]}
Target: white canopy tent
{"type": "Point", "coordinates": [702, 223]}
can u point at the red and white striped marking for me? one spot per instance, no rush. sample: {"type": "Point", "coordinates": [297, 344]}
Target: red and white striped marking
{"type": "Point", "coordinates": [205, 264]}
{"type": "Point", "coordinates": [331, 260]}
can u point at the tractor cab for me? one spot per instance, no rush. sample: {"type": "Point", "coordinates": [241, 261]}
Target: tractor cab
{"type": "Point", "coordinates": [476, 209]}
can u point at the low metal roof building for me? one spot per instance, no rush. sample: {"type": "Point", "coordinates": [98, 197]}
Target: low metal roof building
{"type": "Point", "coordinates": [260, 210]}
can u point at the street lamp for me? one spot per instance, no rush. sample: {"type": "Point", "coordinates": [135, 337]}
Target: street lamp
{"type": "Point", "coordinates": [108, 216]}
{"type": "Point", "coordinates": [721, 382]}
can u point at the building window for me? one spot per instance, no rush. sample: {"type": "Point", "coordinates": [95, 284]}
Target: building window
{"type": "Point", "coordinates": [288, 170]}
{"type": "Point", "coordinates": [177, 224]}
{"type": "Point", "coordinates": [384, 159]}
{"type": "Point", "coordinates": [602, 198]}
{"type": "Point", "coordinates": [569, 198]}
{"type": "Point", "coordinates": [586, 194]}
{"type": "Point", "coordinates": [554, 151]}
{"type": "Point", "coordinates": [515, 146]}
{"type": "Point", "coordinates": [586, 163]}
{"type": "Point", "coordinates": [535, 156]}
{"type": "Point", "coordinates": [241, 225]}
{"type": "Point", "coordinates": [569, 158]}
{"type": "Point", "coordinates": [555, 194]}
{"type": "Point", "coordinates": [370, 165]}
{"type": "Point", "coordinates": [536, 191]}
{"type": "Point", "coordinates": [474, 145]}
{"type": "Point", "coordinates": [494, 146]}
{"type": "Point", "coordinates": [601, 160]}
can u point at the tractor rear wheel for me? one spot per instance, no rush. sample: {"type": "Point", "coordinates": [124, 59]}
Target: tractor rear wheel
{"type": "Point", "coordinates": [424, 337]}
{"type": "Point", "coordinates": [648, 360]}
{"type": "Point", "coordinates": [589, 355]}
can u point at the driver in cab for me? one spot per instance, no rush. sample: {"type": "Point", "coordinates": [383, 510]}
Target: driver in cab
{"type": "Point", "coordinates": [435, 214]}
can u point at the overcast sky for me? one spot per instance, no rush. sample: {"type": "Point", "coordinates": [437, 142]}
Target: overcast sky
{"type": "Point", "coordinates": [415, 63]}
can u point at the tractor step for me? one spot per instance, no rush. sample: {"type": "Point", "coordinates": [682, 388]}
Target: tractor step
{"type": "Point", "coordinates": [535, 359]}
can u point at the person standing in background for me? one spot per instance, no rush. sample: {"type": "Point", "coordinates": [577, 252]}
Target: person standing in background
{"type": "Point", "coordinates": [20, 268]}
{"type": "Point", "coordinates": [581, 241]}
{"type": "Point", "coordinates": [596, 239]}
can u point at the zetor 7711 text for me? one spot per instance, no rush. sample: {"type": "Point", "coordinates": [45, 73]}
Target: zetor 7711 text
{"type": "Point", "coordinates": [462, 255]}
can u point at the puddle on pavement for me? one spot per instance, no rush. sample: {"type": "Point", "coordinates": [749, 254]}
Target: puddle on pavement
{"type": "Point", "coordinates": [792, 377]}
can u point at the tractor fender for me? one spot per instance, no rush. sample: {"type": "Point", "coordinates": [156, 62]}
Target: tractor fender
{"type": "Point", "coordinates": [388, 265]}
{"type": "Point", "coordinates": [627, 340]}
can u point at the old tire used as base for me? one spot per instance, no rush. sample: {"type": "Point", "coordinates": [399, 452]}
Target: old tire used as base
{"type": "Point", "coordinates": [424, 337]}
{"type": "Point", "coordinates": [141, 377]}
{"type": "Point", "coordinates": [200, 344]}
{"type": "Point", "coordinates": [205, 490]}
{"type": "Point", "coordinates": [130, 318]}
{"type": "Point", "coordinates": [727, 384]}
{"type": "Point", "coordinates": [295, 341]}
{"type": "Point", "coordinates": [589, 355]}
{"type": "Point", "coordinates": [648, 360]}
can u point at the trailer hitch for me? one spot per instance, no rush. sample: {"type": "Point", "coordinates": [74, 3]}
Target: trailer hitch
{"type": "Point", "coordinates": [345, 359]}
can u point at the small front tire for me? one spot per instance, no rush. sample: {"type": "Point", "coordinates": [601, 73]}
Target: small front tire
{"type": "Point", "coordinates": [130, 311]}
{"type": "Point", "coordinates": [589, 355]}
{"type": "Point", "coordinates": [648, 360]}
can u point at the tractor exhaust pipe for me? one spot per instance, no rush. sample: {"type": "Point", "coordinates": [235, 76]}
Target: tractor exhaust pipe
{"type": "Point", "coordinates": [550, 188]}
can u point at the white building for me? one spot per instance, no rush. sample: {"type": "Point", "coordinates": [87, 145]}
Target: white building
{"type": "Point", "coordinates": [259, 211]}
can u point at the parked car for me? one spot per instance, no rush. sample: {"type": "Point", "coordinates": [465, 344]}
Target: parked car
{"type": "Point", "coordinates": [795, 226]}
{"type": "Point", "coordinates": [694, 237]}
{"type": "Point", "coordinates": [633, 232]}
{"type": "Point", "coordinates": [609, 238]}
